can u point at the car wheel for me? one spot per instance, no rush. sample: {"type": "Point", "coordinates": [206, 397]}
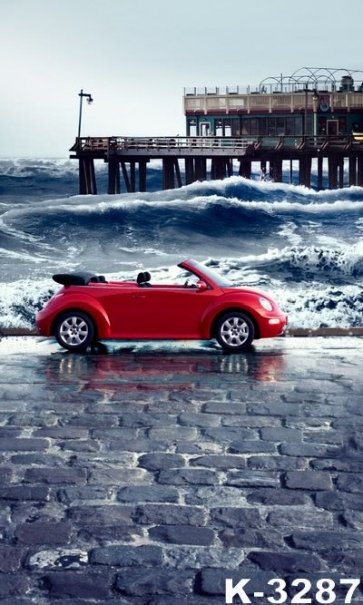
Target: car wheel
{"type": "Point", "coordinates": [74, 330]}
{"type": "Point", "coordinates": [235, 331]}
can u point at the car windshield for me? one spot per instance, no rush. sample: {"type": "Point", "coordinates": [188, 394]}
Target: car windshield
{"type": "Point", "coordinates": [221, 281]}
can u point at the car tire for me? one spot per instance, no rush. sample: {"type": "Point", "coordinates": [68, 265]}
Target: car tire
{"type": "Point", "coordinates": [235, 331]}
{"type": "Point", "coordinates": [74, 330]}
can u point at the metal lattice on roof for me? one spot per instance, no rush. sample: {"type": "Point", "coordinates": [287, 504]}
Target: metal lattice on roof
{"type": "Point", "coordinates": [320, 78]}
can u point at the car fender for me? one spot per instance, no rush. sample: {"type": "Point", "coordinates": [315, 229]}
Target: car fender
{"type": "Point", "coordinates": [87, 304]}
{"type": "Point", "coordinates": [245, 303]}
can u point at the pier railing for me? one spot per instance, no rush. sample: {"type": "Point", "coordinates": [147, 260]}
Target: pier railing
{"type": "Point", "coordinates": [121, 143]}
{"type": "Point", "coordinates": [209, 146]}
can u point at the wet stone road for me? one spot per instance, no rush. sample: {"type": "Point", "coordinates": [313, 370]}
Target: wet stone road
{"type": "Point", "coordinates": [150, 475]}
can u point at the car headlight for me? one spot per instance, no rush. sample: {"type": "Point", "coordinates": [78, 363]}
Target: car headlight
{"type": "Point", "coordinates": [265, 303]}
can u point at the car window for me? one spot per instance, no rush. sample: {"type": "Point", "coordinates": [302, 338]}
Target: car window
{"type": "Point", "coordinates": [185, 276]}
{"type": "Point", "coordinates": [218, 279]}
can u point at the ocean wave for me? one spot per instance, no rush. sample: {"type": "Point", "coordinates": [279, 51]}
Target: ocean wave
{"type": "Point", "coordinates": [303, 263]}
{"type": "Point", "coordinates": [41, 168]}
{"type": "Point", "coordinates": [301, 245]}
{"type": "Point", "coordinates": [190, 217]}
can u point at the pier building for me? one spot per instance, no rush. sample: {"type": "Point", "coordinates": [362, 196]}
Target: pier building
{"type": "Point", "coordinates": [313, 114]}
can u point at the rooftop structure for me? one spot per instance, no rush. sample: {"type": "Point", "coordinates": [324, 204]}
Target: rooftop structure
{"type": "Point", "coordinates": [321, 78]}
{"type": "Point", "coordinates": [315, 100]}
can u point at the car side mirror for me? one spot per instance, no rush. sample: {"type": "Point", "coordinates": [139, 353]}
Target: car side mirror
{"type": "Point", "coordinates": [201, 285]}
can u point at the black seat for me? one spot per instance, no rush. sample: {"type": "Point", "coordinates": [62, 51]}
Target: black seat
{"type": "Point", "coordinates": [98, 279]}
{"type": "Point", "coordinates": [143, 279]}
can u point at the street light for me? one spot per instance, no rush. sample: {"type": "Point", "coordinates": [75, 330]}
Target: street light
{"type": "Point", "coordinates": [89, 101]}
{"type": "Point", "coordinates": [315, 109]}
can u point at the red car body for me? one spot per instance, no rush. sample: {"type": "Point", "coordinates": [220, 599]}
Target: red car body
{"type": "Point", "coordinates": [87, 309]}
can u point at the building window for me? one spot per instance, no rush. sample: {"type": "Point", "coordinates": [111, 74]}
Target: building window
{"type": "Point", "coordinates": [289, 126]}
{"type": "Point", "coordinates": [271, 127]}
{"type": "Point", "coordinates": [342, 125]}
{"type": "Point", "coordinates": [280, 126]}
{"type": "Point", "coordinates": [227, 130]}
{"type": "Point", "coordinates": [192, 128]}
{"type": "Point", "coordinates": [246, 127]}
{"type": "Point", "coordinates": [236, 131]}
{"type": "Point", "coordinates": [309, 126]}
{"type": "Point", "coordinates": [261, 126]}
{"type": "Point", "coordinates": [298, 125]}
{"type": "Point", "coordinates": [219, 128]}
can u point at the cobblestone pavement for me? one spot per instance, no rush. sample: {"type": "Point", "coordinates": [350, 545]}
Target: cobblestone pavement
{"type": "Point", "coordinates": [150, 475]}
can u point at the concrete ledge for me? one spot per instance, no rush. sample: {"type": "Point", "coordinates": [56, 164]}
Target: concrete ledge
{"type": "Point", "coordinates": [17, 332]}
{"type": "Point", "coordinates": [357, 331]}
{"type": "Point", "coordinates": [293, 332]}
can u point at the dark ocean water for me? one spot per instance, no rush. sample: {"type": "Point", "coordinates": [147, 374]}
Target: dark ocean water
{"type": "Point", "coordinates": [303, 246]}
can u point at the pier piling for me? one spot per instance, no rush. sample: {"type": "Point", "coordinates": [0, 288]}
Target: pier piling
{"type": "Point", "coordinates": [87, 177]}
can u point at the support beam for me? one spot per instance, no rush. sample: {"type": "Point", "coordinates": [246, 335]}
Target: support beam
{"type": "Point", "coordinates": [229, 167]}
{"type": "Point", "coordinates": [200, 169]}
{"type": "Point", "coordinates": [244, 168]}
{"type": "Point", "coordinates": [320, 172]}
{"type": "Point", "coordinates": [333, 172]}
{"type": "Point", "coordinates": [352, 171]}
{"type": "Point", "coordinates": [177, 173]}
{"type": "Point", "coordinates": [305, 171]}
{"type": "Point", "coordinates": [142, 175]}
{"type": "Point", "coordinates": [133, 176]}
{"type": "Point", "coordinates": [168, 173]}
{"type": "Point", "coordinates": [276, 170]}
{"type": "Point", "coordinates": [126, 176]}
{"type": "Point", "coordinates": [87, 178]}
{"type": "Point", "coordinates": [360, 171]}
{"type": "Point", "coordinates": [189, 171]}
{"type": "Point", "coordinates": [113, 175]}
{"type": "Point", "coordinates": [219, 168]}
{"type": "Point", "coordinates": [263, 170]}
{"type": "Point", "coordinates": [341, 172]}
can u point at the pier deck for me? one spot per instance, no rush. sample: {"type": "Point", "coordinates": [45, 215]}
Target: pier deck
{"type": "Point", "coordinates": [214, 157]}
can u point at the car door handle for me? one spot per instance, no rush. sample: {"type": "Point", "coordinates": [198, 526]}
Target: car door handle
{"type": "Point", "coordinates": [138, 296]}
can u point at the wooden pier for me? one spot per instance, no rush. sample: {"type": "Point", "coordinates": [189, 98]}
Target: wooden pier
{"type": "Point", "coordinates": [211, 158]}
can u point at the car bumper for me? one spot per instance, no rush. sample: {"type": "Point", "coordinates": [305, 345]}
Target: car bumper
{"type": "Point", "coordinates": [43, 322]}
{"type": "Point", "coordinates": [273, 326]}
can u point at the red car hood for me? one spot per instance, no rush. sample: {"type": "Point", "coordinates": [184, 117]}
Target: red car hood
{"type": "Point", "coordinates": [247, 290]}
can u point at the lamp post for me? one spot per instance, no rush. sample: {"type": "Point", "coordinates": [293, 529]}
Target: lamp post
{"type": "Point", "coordinates": [306, 112]}
{"type": "Point", "coordinates": [89, 101]}
{"type": "Point", "coordinates": [315, 109]}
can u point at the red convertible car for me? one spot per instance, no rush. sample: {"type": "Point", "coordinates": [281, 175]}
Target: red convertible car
{"type": "Point", "coordinates": [88, 309]}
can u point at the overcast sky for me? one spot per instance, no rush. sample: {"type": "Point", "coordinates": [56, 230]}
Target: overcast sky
{"type": "Point", "coordinates": [136, 56]}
